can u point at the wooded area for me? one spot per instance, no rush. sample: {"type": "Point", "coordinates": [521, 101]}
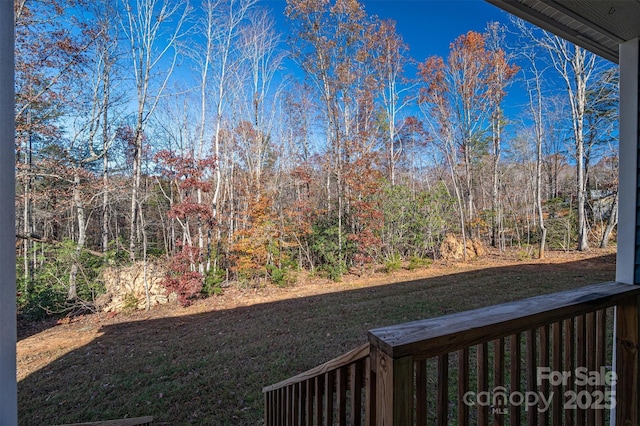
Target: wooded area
{"type": "Point", "coordinates": [201, 137]}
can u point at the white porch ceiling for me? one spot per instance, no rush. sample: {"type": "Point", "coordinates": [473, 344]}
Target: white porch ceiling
{"type": "Point", "coordinates": [597, 25]}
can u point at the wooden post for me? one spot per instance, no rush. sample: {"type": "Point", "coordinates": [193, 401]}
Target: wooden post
{"type": "Point", "coordinates": [627, 329]}
{"type": "Point", "coordinates": [8, 386]}
{"type": "Point", "coordinates": [394, 389]}
{"type": "Point", "coordinates": [370, 392]}
{"type": "Point", "coordinates": [628, 163]}
{"type": "Point", "coordinates": [627, 363]}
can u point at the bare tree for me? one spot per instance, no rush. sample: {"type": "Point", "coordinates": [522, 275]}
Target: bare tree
{"type": "Point", "coordinates": [575, 66]}
{"type": "Point", "coordinates": [223, 20]}
{"type": "Point", "coordinates": [261, 58]}
{"type": "Point", "coordinates": [152, 29]}
{"type": "Point", "coordinates": [49, 53]}
{"type": "Point", "coordinates": [455, 103]}
{"type": "Point", "coordinates": [390, 56]}
{"type": "Point", "coordinates": [534, 88]}
{"type": "Point", "coordinates": [499, 77]}
{"type": "Point", "coordinates": [329, 45]}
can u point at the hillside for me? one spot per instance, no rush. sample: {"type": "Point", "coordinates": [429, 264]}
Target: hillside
{"type": "Point", "coordinates": [206, 364]}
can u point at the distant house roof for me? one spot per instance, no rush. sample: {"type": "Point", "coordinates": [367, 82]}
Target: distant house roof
{"type": "Point", "coordinates": [598, 26]}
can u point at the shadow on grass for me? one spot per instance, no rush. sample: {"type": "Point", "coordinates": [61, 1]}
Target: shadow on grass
{"type": "Point", "coordinates": [210, 368]}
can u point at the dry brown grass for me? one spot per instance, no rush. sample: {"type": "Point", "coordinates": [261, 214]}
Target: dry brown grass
{"type": "Point", "coordinates": [208, 363]}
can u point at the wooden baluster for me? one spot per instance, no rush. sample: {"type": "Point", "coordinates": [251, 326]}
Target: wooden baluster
{"type": "Point", "coordinates": [482, 354]}
{"type": "Point", "coordinates": [290, 405]}
{"type": "Point", "coordinates": [319, 397]}
{"type": "Point", "coordinates": [295, 402]}
{"type": "Point", "coordinates": [532, 412]}
{"type": "Point", "coordinates": [581, 361]}
{"type": "Point", "coordinates": [556, 365]}
{"type": "Point", "coordinates": [591, 351]}
{"type": "Point", "coordinates": [276, 407]}
{"type": "Point", "coordinates": [310, 395]}
{"type": "Point", "coordinates": [267, 409]}
{"type": "Point", "coordinates": [282, 408]}
{"type": "Point", "coordinates": [516, 371]}
{"type": "Point", "coordinates": [341, 396]}
{"type": "Point", "coordinates": [498, 379]}
{"type": "Point", "coordinates": [442, 402]}
{"type": "Point", "coordinates": [302, 403]}
{"type": "Point", "coordinates": [329, 386]}
{"type": "Point", "coordinates": [356, 392]}
{"type": "Point", "coordinates": [543, 417]}
{"type": "Point", "coordinates": [627, 362]}
{"type": "Point", "coordinates": [285, 403]}
{"type": "Point", "coordinates": [421, 392]}
{"type": "Point", "coordinates": [463, 386]}
{"type": "Point", "coordinates": [601, 351]}
{"type": "Point", "coordinates": [370, 392]}
{"type": "Point", "coordinates": [569, 365]}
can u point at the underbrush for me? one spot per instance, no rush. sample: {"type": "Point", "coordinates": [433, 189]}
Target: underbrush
{"type": "Point", "coordinates": [208, 364]}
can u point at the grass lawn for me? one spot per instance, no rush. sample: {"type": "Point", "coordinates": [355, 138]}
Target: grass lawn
{"type": "Point", "coordinates": [207, 364]}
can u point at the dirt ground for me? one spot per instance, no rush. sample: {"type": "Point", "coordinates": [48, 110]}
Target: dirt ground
{"type": "Point", "coordinates": [41, 343]}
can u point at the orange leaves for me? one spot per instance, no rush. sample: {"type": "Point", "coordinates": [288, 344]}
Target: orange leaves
{"type": "Point", "coordinates": [260, 241]}
{"type": "Point", "coordinates": [304, 7]}
{"type": "Point", "coordinates": [432, 73]}
{"type": "Point", "coordinates": [471, 70]}
{"type": "Point", "coordinates": [469, 83]}
{"type": "Point", "coordinates": [469, 43]}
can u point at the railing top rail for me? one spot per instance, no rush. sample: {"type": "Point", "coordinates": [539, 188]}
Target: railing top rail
{"type": "Point", "coordinates": [445, 334]}
{"type": "Point", "coordinates": [343, 360]}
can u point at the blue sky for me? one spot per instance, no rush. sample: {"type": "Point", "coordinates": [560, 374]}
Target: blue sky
{"type": "Point", "coordinates": [427, 26]}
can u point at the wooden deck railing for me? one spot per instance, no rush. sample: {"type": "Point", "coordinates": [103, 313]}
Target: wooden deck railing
{"type": "Point", "coordinates": [538, 361]}
{"type": "Point", "coordinates": [332, 393]}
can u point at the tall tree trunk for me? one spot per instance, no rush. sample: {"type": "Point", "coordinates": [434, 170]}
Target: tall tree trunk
{"type": "Point", "coordinates": [611, 223]}
{"type": "Point", "coordinates": [72, 293]}
{"type": "Point", "coordinates": [468, 179]}
{"type": "Point", "coordinates": [145, 280]}
{"type": "Point", "coordinates": [105, 166]}
{"type": "Point", "coordinates": [495, 196]}
{"type": "Point", "coordinates": [535, 105]}
{"type": "Point", "coordinates": [581, 90]}
{"type": "Point", "coordinates": [541, 226]}
{"type": "Point", "coordinates": [26, 212]}
{"type": "Point", "coordinates": [149, 46]}
{"type": "Point", "coordinates": [134, 229]}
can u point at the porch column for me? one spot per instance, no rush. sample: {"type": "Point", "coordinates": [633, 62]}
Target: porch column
{"type": "Point", "coordinates": [628, 257]}
{"type": "Point", "coordinates": [627, 330]}
{"type": "Point", "coordinates": [8, 387]}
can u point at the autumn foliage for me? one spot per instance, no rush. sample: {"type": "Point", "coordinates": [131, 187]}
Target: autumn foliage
{"type": "Point", "coordinates": [144, 135]}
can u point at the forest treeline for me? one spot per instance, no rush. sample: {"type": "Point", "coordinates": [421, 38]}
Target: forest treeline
{"type": "Point", "coordinates": [207, 138]}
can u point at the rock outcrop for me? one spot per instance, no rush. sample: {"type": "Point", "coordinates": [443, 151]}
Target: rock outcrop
{"type": "Point", "coordinates": [125, 288]}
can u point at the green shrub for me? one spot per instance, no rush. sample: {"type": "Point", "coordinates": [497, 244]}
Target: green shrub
{"type": "Point", "coordinates": [281, 277]}
{"type": "Point", "coordinates": [44, 292]}
{"type": "Point", "coordinates": [212, 285]}
{"type": "Point", "coordinates": [415, 222]}
{"type": "Point", "coordinates": [526, 253]}
{"type": "Point", "coordinates": [333, 271]}
{"type": "Point", "coordinates": [416, 262]}
{"type": "Point", "coordinates": [331, 259]}
{"type": "Point", "coordinates": [130, 303]}
{"type": "Point", "coordinates": [393, 263]}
